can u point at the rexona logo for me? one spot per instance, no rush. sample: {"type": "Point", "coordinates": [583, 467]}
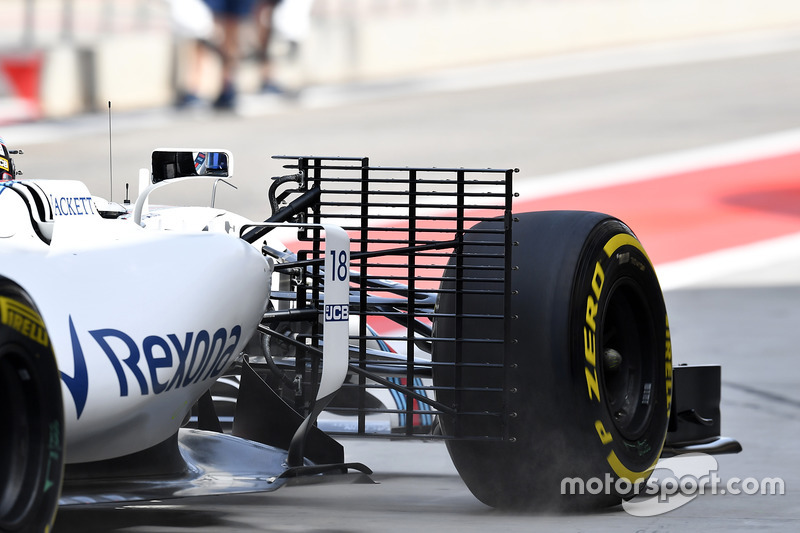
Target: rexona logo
{"type": "Point", "coordinates": [199, 355]}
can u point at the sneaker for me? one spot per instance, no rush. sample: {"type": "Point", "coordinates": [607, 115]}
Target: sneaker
{"type": "Point", "coordinates": [187, 100]}
{"type": "Point", "coordinates": [270, 88]}
{"type": "Point", "coordinates": [226, 99]}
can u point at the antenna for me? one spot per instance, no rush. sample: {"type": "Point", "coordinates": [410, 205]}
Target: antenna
{"type": "Point", "coordinates": [110, 158]}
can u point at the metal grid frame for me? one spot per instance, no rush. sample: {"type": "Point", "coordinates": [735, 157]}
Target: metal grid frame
{"type": "Point", "coordinates": [407, 227]}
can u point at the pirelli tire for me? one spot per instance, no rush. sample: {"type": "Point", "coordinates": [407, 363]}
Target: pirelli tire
{"type": "Point", "coordinates": [588, 374]}
{"type": "Point", "coordinates": [31, 417]}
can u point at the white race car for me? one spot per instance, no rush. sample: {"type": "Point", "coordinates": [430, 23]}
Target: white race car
{"type": "Point", "coordinates": [413, 303]}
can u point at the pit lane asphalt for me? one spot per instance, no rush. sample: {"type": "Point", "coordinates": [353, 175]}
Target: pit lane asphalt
{"type": "Point", "coordinates": [746, 320]}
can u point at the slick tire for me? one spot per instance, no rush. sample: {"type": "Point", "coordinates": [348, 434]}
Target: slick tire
{"type": "Point", "coordinates": [31, 417]}
{"type": "Point", "coordinates": [587, 370]}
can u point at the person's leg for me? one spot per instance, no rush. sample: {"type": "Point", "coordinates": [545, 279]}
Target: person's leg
{"type": "Point", "coordinates": [192, 56]}
{"type": "Point", "coordinates": [229, 24]}
{"type": "Point", "coordinates": [264, 13]}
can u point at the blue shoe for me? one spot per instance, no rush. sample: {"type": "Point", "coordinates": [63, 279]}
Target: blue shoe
{"type": "Point", "coordinates": [226, 99]}
{"type": "Point", "coordinates": [187, 100]}
{"type": "Point", "coordinates": [270, 88]}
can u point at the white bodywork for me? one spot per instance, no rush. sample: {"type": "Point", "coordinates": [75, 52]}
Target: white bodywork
{"type": "Point", "coordinates": [141, 321]}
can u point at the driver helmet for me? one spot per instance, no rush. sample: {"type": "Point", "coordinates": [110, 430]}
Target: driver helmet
{"type": "Point", "coordinates": [7, 170]}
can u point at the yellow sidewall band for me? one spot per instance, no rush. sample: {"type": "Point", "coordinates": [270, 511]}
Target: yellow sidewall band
{"type": "Point", "coordinates": [595, 391]}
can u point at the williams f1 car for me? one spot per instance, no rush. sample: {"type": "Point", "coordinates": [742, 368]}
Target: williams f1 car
{"type": "Point", "coordinates": [392, 302]}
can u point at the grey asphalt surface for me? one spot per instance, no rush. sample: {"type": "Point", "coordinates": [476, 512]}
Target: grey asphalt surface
{"type": "Point", "coordinates": [745, 320]}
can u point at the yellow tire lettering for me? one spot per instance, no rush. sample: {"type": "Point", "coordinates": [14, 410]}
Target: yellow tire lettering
{"type": "Point", "coordinates": [589, 347]}
{"type": "Point", "coordinates": [591, 312]}
{"type": "Point", "coordinates": [605, 436]}
{"type": "Point", "coordinates": [597, 280]}
{"type": "Point", "coordinates": [591, 382]}
{"type": "Point", "coordinates": [23, 319]}
{"type": "Point", "coordinates": [589, 330]}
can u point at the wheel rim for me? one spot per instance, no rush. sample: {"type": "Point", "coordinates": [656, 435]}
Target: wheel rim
{"type": "Point", "coordinates": [629, 359]}
{"type": "Point", "coordinates": [21, 443]}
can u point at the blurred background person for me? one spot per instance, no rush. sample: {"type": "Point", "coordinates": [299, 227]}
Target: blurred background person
{"type": "Point", "coordinates": [265, 11]}
{"type": "Point", "coordinates": [290, 21]}
{"type": "Point", "coordinates": [193, 23]}
{"type": "Point", "coordinates": [229, 16]}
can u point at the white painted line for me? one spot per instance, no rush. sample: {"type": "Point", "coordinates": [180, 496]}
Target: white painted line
{"type": "Point", "coordinates": [711, 268]}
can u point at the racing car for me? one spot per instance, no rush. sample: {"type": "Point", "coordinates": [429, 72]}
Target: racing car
{"type": "Point", "coordinates": [385, 302]}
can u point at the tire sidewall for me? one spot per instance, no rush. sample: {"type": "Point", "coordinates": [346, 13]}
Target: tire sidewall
{"type": "Point", "coordinates": [26, 350]}
{"type": "Point", "coordinates": [614, 265]}
{"type": "Point", "coordinates": [554, 429]}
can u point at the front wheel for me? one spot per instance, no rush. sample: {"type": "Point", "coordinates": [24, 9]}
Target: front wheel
{"type": "Point", "coordinates": [588, 370]}
{"type": "Point", "coordinates": [31, 417]}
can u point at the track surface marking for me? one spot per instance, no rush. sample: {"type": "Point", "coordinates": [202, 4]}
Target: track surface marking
{"type": "Point", "coordinates": [693, 213]}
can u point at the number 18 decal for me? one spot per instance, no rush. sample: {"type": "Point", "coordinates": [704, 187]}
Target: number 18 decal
{"type": "Point", "coordinates": [339, 265]}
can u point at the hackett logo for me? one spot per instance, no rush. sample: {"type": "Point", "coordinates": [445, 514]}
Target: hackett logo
{"type": "Point", "coordinates": [72, 206]}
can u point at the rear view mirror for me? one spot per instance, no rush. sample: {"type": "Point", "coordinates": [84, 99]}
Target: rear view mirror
{"type": "Point", "coordinates": [168, 164]}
